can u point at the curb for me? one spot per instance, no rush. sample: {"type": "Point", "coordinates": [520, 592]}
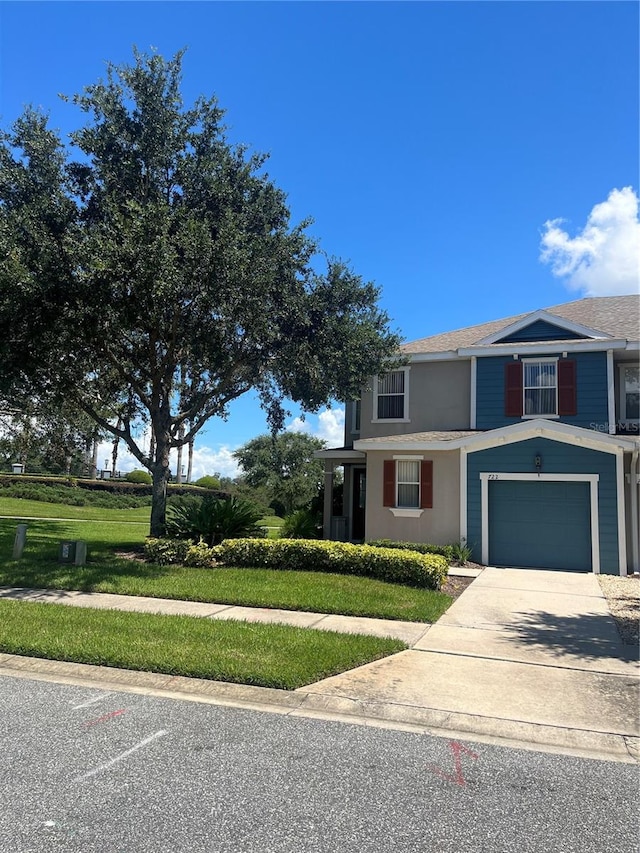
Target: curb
{"type": "Point", "coordinates": [303, 702]}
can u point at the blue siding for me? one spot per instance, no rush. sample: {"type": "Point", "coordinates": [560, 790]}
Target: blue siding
{"type": "Point", "coordinates": [557, 458]}
{"type": "Point", "coordinates": [592, 400]}
{"type": "Point", "coordinates": [540, 330]}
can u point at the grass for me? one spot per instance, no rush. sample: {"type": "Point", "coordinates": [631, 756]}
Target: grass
{"type": "Point", "coordinates": [21, 508]}
{"type": "Point", "coordinates": [105, 572]}
{"type": "Point", "coordinates": [277, 656]}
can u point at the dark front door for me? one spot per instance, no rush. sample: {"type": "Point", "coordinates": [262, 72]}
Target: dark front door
{"type": "Point", "coordinates": [359, 502]}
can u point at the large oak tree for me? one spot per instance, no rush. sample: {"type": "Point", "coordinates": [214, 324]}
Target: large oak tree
{"type": "Point", "coordinates": [151, 275]}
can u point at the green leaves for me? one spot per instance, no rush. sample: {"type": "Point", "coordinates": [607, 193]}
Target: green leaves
{"type": "Point", "coordinates": [159, 275]}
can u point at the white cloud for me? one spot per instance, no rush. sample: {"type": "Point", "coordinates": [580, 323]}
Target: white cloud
{"type": "Point", "coordinates": [206, 460]}
{"type": "Point", "coordinates": [329, 426]}
{"type": "Point", "coordinates": [604, 258]}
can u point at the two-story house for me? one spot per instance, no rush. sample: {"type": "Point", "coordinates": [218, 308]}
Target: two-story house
{"type": "Point", "coordinates": [520, 436]}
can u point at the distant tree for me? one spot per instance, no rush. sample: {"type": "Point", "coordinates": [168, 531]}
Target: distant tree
{"type": "Point", "coordinates": [284, 466]}
{"type": "Point", "coordinates": [158, 278]}
{"type": "Point", "coordinates": [55, 441]}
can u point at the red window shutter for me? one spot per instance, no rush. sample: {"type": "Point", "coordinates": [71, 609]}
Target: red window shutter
{"type": "Point", "coordinates": [426, 484]}
{"type": "Point", "coordinates": [389, 483]}
{"type": "Point", "coordinates": [567, 396]}
{"type": "Point", "coordinates": [513, 389]}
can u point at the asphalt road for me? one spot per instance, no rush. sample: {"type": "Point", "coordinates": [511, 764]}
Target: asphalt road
{"type": "Point", "coordinates": [91, 771]}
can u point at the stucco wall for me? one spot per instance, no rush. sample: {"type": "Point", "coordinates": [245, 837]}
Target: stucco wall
{"type": "Point", "coordinates": [439, 525]}
{"type": "Point", "coordinates": [439, 398]}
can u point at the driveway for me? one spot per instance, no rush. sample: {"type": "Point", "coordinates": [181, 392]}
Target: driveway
{"type": "Point", "coordinates": [526, 655]}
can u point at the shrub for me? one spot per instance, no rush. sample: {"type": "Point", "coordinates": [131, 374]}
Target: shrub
{"type": "Point", "coordinates": [213, 519]}
{"type": "Point", "coordinates": [208, 482]}
{"type": "Point", "coordinates": [302, 524]}
{"type": "Point", "coordinates": [461, 552]}
{"type": "Point", "coordinates": [420, 547]}
{"type": "Point", "coordinates": [403, 567]}
{"type": "Point", "coordinates": [165, 552]}
{"type": "Point", "coordinates": [139, 476]}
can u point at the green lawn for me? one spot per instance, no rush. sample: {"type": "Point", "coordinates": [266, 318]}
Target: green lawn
{"type": "Point", "coordinates": [277, 656]}
{"type": "Point", "coordinates": [105, 572]}
{"type": "Point", "coordinates": [20, 508]}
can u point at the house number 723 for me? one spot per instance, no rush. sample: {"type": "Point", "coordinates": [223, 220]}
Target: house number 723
{"type": "Point", "coordinates": [493, 477]}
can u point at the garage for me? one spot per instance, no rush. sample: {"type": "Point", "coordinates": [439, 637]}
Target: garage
{"type": "Point", "coordinates": [538, 523]}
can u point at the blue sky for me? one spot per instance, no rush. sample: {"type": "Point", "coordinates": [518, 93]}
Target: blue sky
{"type": "Point", "coordinates": [430, 142]}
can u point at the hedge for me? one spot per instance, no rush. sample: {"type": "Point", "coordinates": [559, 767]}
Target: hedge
{"type": "Point", "coordinates": [165, 552]}
{"type": "Point", "coordinates": [404, 567]}
{"type": "Point", "coordinates": [117, 486]}
{"type": "Point", "coordinates": [421, 547]}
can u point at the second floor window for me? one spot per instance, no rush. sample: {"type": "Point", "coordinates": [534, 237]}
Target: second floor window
{"type": "Point", "coordinates": [629, 393]}
{"type": "Point", "coordinates": [391, 396]}
{"type": "Point", "coordinates": [540, 387]}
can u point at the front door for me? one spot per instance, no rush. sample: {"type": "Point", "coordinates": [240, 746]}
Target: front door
{"type": "Point", "coordinates": [359, 503]}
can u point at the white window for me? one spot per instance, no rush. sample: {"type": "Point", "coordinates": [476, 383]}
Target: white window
{"type": "Point", "coordinates": [408, 484]}
{"type": "Point", "coordinates": [629, 393]}
{"type": "Point", "coordinates": [391, 396]}
{"type": "Point", "coordinates": [540, 387]}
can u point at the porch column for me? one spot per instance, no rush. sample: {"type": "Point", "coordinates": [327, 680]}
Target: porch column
{"type": "Point", "coordinates": [328, 498]}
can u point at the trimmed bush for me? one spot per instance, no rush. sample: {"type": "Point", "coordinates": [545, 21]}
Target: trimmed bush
{"type": "Point", "coordinates": [168, 552]}
{"type": "Point", "coordinates": [446, 551]}
{"type": "Point", "coordinates": [403, 567]}
{"type": "Point", "coordinates": [139, 476]}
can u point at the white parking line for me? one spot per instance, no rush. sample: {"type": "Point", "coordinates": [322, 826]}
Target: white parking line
{"type": "Point", "coordinates": [120, 757]}
{"type": "Point", "coordinates": [92, 701]}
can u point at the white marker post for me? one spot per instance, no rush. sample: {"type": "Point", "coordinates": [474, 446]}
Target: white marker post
{"type": "Point", "coordinates": [81, 553]}
{"type": "Point", "coordinates": [19, 541]}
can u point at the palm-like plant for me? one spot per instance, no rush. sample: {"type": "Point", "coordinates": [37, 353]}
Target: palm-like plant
{"type": "Point", "coordinates": [213, 519]}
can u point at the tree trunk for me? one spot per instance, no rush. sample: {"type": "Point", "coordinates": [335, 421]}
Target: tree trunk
{"type": "Point", "coordinates": [160, 473]}
{"type": "Point", "coordinates": [114, 452]}
{"type": "Point", "coordinates": [179, 462]}
{"type": "Point", "coordinates": [189, 469]}
{"type": "Point", "coordinates": [94, 460]}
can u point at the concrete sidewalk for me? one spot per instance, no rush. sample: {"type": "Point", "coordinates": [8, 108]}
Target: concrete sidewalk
{"type": "Point", "coordinates": [408, 632]}
{"type": "Point", "coordinates": [525, 658]}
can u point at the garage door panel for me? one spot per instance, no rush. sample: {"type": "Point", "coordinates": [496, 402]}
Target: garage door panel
{"type": "Point", "coordinates": [540, 524]}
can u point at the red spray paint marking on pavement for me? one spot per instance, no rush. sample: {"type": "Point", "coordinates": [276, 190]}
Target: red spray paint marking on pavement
{"type": "Point", "coordinates": [105, 717]}
{"type": "Point", "coordinates": [457, 777]}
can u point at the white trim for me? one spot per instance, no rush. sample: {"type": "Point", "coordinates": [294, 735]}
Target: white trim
{"type": "Point", "coordinates": [611, 398]}
{"type": "Point", "coordinates": [524, 429]}
{"type": "Point", "coordinates": [474, 385]}
{"type": "Point", "coordinates": [346, 455]}
{"type": "Point", "coordinates": [523, 347]}
{"type": "Point", "coordinates": [633, 486]}
{"type": "Point", "coordinates": [448, 355]}
{"type": "Point", "coordinates": [552, 319]}
{"type": "Point", "coordinates": [406, 457]}
{"type": "Point", "coordinates": [463, 493]}
{"type": "Point", "coordinates": [405, 513]}
{"type": "Point", "coordinates": [497, 476]}
{"type": "Point", "coordinates": [405, 405]}
{"type": "Point", "coordinates": [622, 539]}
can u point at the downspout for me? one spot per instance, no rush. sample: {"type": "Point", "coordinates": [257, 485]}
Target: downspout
{"type": "Point", "coordinates": [633, 478]}
{"type": "Point", "coordinates": [611, 397]}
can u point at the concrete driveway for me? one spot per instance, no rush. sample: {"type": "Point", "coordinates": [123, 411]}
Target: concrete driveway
{"type": "Point", "coordinates": [525, 655]}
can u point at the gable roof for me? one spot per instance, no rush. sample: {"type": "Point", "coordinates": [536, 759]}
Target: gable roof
{"type": "Point", "coordinates": [609, 316]}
